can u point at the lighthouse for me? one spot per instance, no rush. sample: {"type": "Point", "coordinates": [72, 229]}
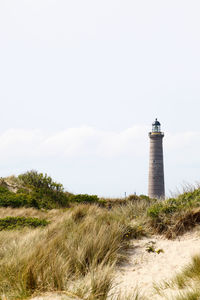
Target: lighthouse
{"type": "Point", "coordinates": [156, 165]}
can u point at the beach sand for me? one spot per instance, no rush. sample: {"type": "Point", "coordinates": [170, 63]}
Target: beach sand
{"type": "Point", "coordinates": [144, 269]}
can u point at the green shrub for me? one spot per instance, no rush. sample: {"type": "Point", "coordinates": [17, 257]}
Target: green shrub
{"type": "Point", "coordinates": [40, 181]}
{"type": "Point", "coordinates": [145, 197]}
{"type": "Point", "coordinates": [84, 198]}
{"type": "Point", "coordinates": [9, 223]}
{"type": "Point", "coordinates": [167, 207]}
{"type": "Point", "coordinates": [40, 191]}
{"type": "Point", "coordinates": [154, 210]}
{"type": "Point", "coordinates": [172, 205]}
{"type": "Point", "coordinates": [133, 197]}
{"type": "Point", "coordinates": [8, 198]}
{"type": "Point", "coordinates": [45, 193]}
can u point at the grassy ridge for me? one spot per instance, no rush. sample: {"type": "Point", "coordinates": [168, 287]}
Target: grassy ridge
{"type": "Point", "coordinates": [174, 216]}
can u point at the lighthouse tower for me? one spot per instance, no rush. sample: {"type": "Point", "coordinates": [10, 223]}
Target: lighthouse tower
{"type": "Point", "coordinates": [156, 168]}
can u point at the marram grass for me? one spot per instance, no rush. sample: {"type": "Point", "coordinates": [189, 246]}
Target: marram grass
{"type": "Point", "coordinates": [76, 252]}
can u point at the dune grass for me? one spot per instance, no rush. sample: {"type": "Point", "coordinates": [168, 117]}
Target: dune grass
{"type": "Point", "coordinates": [76, 253]}
{"type": "Point", "coordinates": [175, 216]}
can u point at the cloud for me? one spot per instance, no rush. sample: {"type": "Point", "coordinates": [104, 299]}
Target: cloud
{"type": "Point", "coordinates": [182, 139]}
{"type": "Point", "coordinates": [89, 141]}
{"type": "Point", "coordinates": [183, 147]}
{"type": "Point", "coordinates": [19, 142]}
{"type": "Point", "coordinates": [73, 142]}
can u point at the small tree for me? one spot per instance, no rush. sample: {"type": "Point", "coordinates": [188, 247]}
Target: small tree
{"type": "Point", "coordinates": [44, 189]}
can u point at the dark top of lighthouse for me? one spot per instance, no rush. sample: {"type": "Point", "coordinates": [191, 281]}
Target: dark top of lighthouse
{"type": "Point", "coordinates": [156, 126]}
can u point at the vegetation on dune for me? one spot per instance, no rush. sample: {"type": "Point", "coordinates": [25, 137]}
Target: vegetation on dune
{"type": "Point", "coordinates": [40, 191]}
{"type": "Point", "coordinates": [76, 253]}
{"type": "Point", "coordinates": [10, 223]}
{"type": "Point", "coordinates": [85, 239]}
{"type": "Point", "coordinates": [84, 198]}
{"type": "Point", "coordinates": [34, 190]}
{"type": "Point", "coordinates": [43, 191]}
{"type": "Point", "coordinates": [174, 216]}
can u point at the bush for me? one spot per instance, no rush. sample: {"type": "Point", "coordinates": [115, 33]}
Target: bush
{"type": "Point", "coordinates": [19, 222]}
{"type": "Point", "coordinates": [84, 198]}
{"type": "Point", "coordinates": [8, 198]}
{"type": "Point", "coordinates": [133, 197]}
{"type": "Point", "coordinates": [145, 197]}
{"type": "Point", "coordinates": [45, 193]}
{"type": "Point", "coordinates": [40, 181]}
{"type": "Point", "coordinates": [40, 191]}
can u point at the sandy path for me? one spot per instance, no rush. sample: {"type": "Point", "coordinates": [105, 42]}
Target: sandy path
{"type": "Point", "coordinates": [143, 268]}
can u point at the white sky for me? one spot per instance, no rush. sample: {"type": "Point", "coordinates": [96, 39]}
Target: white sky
{"type": "Point", "coordinates": [82, 81]}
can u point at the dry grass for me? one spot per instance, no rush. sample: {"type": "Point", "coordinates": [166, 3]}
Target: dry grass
{"type": "Point", "coordinates": [176, 224]}
{"type": "Point", "coordinates": [182, 222]}
{"type": "Point", "coordinates": [51, 215]}
{"type": "Point", "coordinates": [76, 253]}
{"type": "Point", "coordinates": [175, 216]}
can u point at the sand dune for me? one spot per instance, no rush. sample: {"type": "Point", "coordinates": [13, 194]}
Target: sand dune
{"type": "Point", "coordinates": [144, 269]}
